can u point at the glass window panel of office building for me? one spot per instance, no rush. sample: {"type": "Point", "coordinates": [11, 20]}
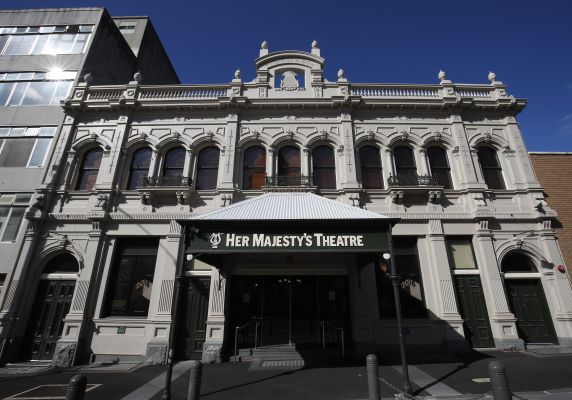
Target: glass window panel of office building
{"type": "Point", "coordinates": [35, 88]}
{"type": "Point", "coordinates": [12, 209]}
{"type": "Point", "coordinates": [32, 40]}
{"type": "Point", "coordinates": [25, 146]}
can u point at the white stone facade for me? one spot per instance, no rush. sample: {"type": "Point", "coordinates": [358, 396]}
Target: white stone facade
{"type": "Point", "coordinates": [289, 103]}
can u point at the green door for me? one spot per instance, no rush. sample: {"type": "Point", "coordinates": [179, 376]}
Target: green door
{"type": "Point", "coordinates": [195, 312]}
{"type": "Point", "coordinates": [473, 310]}
{"type": "Point", "coordinates": [528, 304]}
{"type": "Point", "coordinates": [52, 304]}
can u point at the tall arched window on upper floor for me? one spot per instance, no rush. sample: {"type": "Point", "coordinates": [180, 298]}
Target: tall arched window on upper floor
{"type": "Point", "coordinates": [404, 161]}
{"type": "Point", "coordinates": [89, 169]}
{"type": "Point", "coordinates": [139, 168]}
{"type": "Point", "coordinates": [254, 168]}
{"type": "Point", "coordinates": [207, 168]}
{"type": "Point", "coordinates": [324, 167]}
{"type": "Point", "coordinates": [174, 162]}
{"type": "Point", "coordinates": [439, 166]}
{"type": "Point", "coordinates": [490, 166]}
{"type": "Point", "coordinates": [289, 166]}
{"type": "Point", "coordinates": [370, 162]}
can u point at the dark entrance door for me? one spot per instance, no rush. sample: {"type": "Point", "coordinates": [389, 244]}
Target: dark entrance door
{"type": "Point", "coordinates": [288, 308]}
{"type": "Point", "coordinates": [473, 310]}
{"type": "Point", "coordinates": [195, 311]}
{"type": "Point", "coordinates": [52, 304]}
{"type": "Point", "coordinates": [527, 302]}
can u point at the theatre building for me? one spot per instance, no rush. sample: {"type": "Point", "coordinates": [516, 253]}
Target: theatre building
{"type": "Point", "coordinates": [268, 213]}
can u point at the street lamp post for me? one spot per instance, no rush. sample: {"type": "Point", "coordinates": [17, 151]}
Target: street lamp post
{"type": "Point", "coordinates": [394, 277]}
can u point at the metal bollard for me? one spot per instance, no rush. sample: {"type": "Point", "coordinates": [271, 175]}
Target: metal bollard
{"type": "Point", "coordinates": [499, 381]}
{"type": "Point", "coordinates": [76, 388]}
{"type": "Point", "coordinates": [195, 380]}
{"type": "Point", "coordinates": [372, 377]}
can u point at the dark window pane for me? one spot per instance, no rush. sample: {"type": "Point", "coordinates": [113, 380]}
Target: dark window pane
{"type": "Point", "coordinates": [39, 154]}
{"type": "Point", "coordinates": [516, 262]}
{"type": "Point", "coordinates": [18, 93]}
{"type": "Point", "coordinates": [324, 167]}
{"type": "Point", "coordinates": [254, 168]}
{"type": "Point", "coordinates": [62, 91]}
{"type": "Point", "coordinates": [139, 168]}
{"type": "Point", "coordinates": [207, 168]}
{"type": "Point", "coordinates": [13, 224]}
{"type": "Point", "coordinates": [410, 283]}
{"type": "Point", "coordinates": [289, 161]}
{"type": "Point", "coordinates": [16, 152]}
{"type": "Point", "coordinates": [440, 166]}
{"type": "Point", "coordinates": [371, 173]}
{"type": "Point", "coordinates": [5, 91]}
{"type": "Point", "coordinates": [89, 169]}
{"type": "Point", "coordinates": [404, 161]}
{"type": "Point", "coordinates": [131, 283]}
{"type": "Point", "coordinates": [3, 40]}
{"type": "Point", "coordinates": [174, 162]}
{"type": "Point", "coordinates": [490, 166]}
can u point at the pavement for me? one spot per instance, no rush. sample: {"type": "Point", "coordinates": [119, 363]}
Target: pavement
{"type": "Point", "coordinates": [533, 375]}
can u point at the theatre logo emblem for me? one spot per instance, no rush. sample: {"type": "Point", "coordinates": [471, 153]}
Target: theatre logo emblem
{"type": "Point", "coordinates": [215, 240]}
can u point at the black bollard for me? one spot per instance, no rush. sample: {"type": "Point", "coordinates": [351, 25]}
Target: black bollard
{"type": "Point", "coordinates": [76, 388]}
{"type": "Point", "coordinates": [372, 377]}
{"type": "Point", "coordinates": [195, 380]}
{"type": "Point", "coordinates": [499, 381]}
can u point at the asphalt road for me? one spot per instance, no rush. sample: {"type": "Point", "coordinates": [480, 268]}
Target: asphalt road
{"type": "Point", "coordinates": [430, 375]}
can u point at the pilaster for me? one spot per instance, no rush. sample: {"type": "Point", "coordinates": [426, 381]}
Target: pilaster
{"type": "Point", "coordinates": [347, 152]}
{"type": "Point", "coordinates": [216, 317]}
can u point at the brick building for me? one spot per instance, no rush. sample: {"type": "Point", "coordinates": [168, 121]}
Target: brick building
{"type": "Point", "coordinates": [553, 170]}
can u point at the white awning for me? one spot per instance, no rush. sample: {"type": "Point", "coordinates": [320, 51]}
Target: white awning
{"type": "Point", "coordinates": [289, 206]}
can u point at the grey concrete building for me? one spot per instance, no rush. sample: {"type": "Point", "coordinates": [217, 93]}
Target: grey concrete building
{"type": "Point", "coordinates": [275, 207]}
{"type": "Point", "coordinates": [43, 54]}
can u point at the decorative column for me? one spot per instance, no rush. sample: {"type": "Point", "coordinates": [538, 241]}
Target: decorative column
{"type": "Point", "coordinates": [556, 285]}
{"type": "Point", "coordinates": [305, 169]}
{"type": "Point", "coordinates": [467, 160]}
{"type": "Point", "coordinates": [270, 151]}
{"type": "Point", "coordinates": [216, 317]}
{"type": "Point", "coordinates": [227, 159]}
{"type": "Point", "coordinates": [422, 162]}
{"type": "Point", "coordinates": [444, 290]}
{"type": "Point", "coordinates": [503, 322]}
{"type": "Point", "coordinates": [347, 152]}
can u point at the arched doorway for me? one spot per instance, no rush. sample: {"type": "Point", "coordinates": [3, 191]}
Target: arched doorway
{"type": "Point", "coordinates": [51, 305]}
{"type": "Point", "coordinates": [526, 299]}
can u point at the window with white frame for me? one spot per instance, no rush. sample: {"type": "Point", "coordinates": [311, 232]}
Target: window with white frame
{"type": "Point", "coordinates": [12, 209]}
{"type": "Point", "coordinates": [25, 146]}
{"type": "Point", "coordinates": [461, 254]}
{"type": "Point", "coordinates": [35, 88]}
{"type": "Point", "coordinates": [56, 39]}
{"type": "Point", "coordinates": [127, 26]}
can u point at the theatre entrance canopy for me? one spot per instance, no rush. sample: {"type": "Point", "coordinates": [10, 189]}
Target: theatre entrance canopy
{"type": "Point", "coordinates": [288, 222]}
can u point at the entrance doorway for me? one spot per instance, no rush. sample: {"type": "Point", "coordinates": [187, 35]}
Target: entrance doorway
{"type": "Point", "coordinates": [287, 309]}
{"type": "Point", "coordinates": [526, 299]}
{"type": "Point", "coordinates": [473, 310]}
{"type": "Point", "coordinates": [192, 334]}
{"type": "Point", "coordinates": [50, 307]}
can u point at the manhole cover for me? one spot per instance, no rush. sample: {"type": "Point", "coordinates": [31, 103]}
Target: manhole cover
{"type": "Point", "coordinates": [47, 392]}
{"type": "Point", "coordinates": [281, 363]}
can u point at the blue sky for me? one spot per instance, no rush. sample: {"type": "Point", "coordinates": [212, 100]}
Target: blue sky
{"type": "Point", "coordinates": [526, 43]}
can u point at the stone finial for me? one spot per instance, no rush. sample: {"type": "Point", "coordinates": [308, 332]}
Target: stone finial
{"type": "Point", "coordinates": [314, 44]}
{"type": "Point", "coordinates": [264, 45]}
{"type": "Point", "coordinates": [237, 74]}
{"type": "Point", "coordinates": [341, 74]}
{"type": "Point", "coordinates": [442, 75]}
{"type": "Point", "coordinates": [492, 76]}
{"type": "Point", "coordinates": [137, 77]}
{"type": "Point", "coordinates": [88, 78]}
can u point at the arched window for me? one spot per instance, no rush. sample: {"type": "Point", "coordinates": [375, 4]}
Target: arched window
{"type": "Point", "coordinates": [254, 168]}
{"type": "Point", "coordinates": [207, 168]}
{"type": "Point", "coordinates": [370, 161]}
{"type": "Point", "coordinates": [492, 171]}
{"type": "Point", "coordinates": [139, 168]}
{"type": "Point", "coordinates": [63, 263]}
{"type": "Point", "coordinates": [89, 169]}
{"type": "Point", "coordinates": [517, 262]}
{"type": "Point", "coordinates": [404, 161]}
{"type": "Point", "coordinates": [174, 162]}
{"type": "Point", "coordinates": [324, 167]}
{"type": "Point", "coordinates": [289, 161]}
{"type": "Point", "coordinates": [439, 166]}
